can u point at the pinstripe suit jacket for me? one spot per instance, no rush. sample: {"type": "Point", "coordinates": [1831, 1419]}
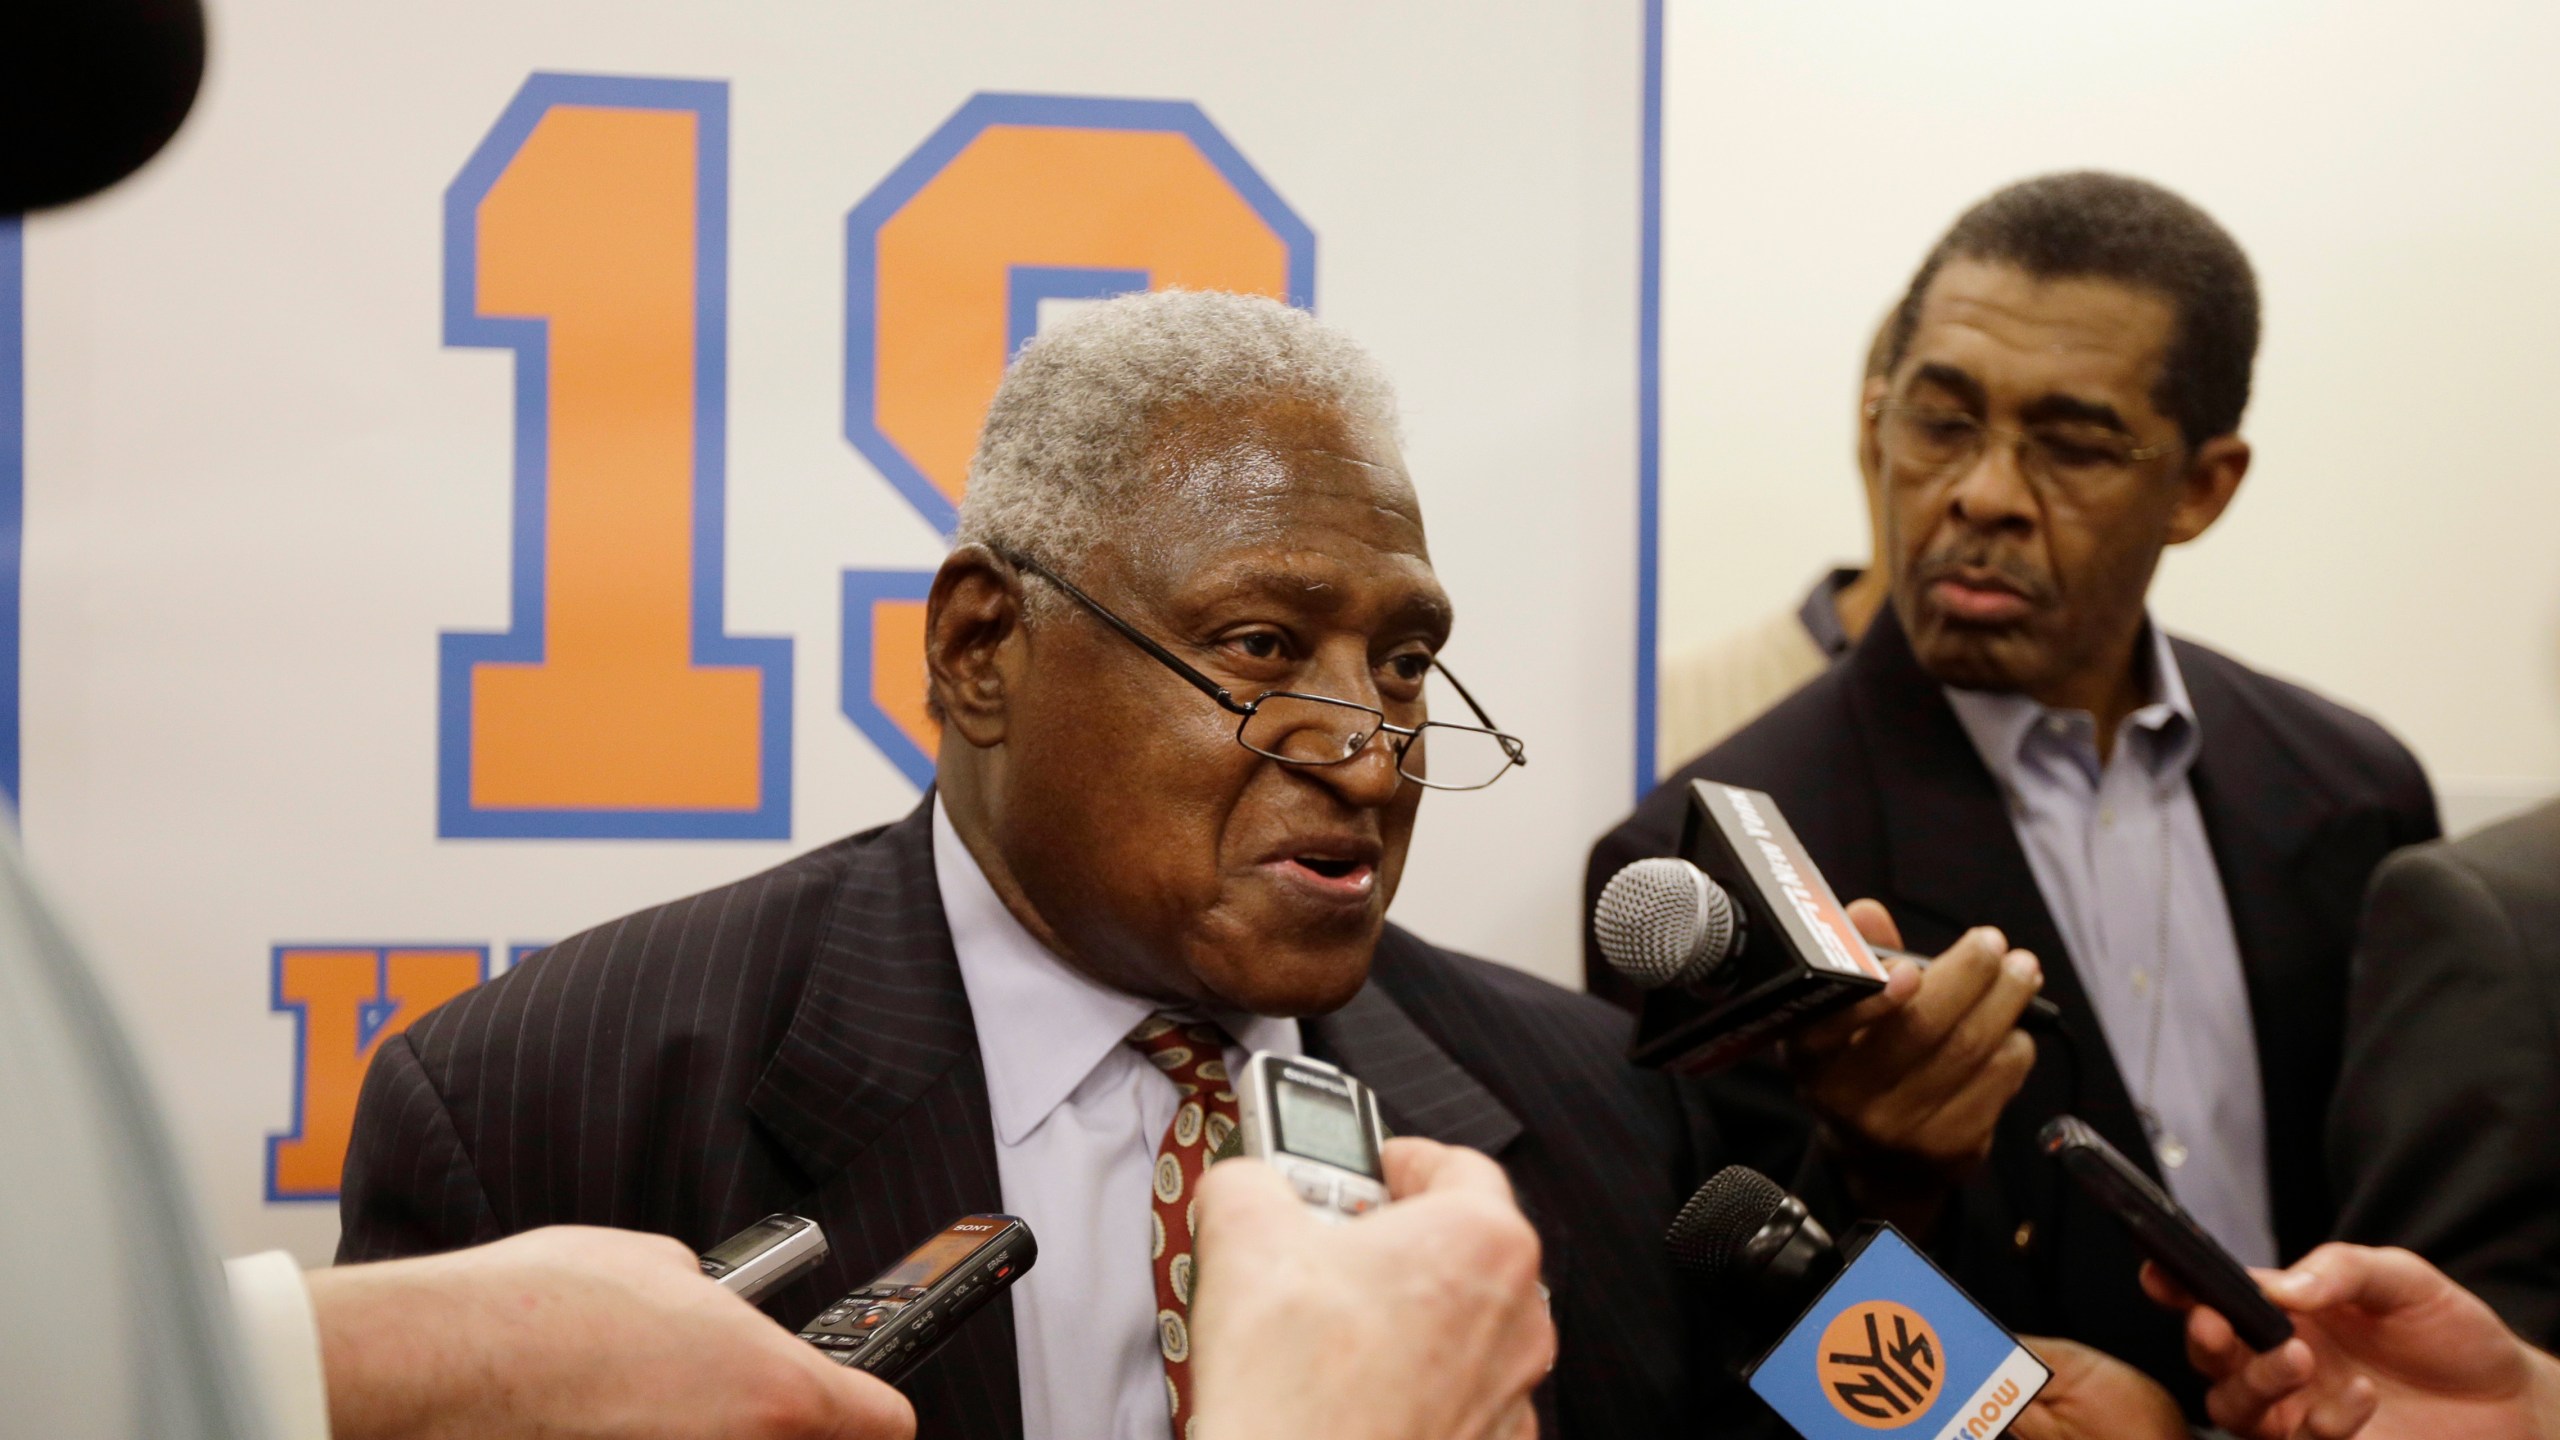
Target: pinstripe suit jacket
{"type": "Point", "coordinates": [801, 1041]}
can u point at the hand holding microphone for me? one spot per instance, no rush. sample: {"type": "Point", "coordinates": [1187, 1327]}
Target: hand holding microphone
{"type": "Point", "coordinates": [1910, 1083]}
{"type": "Point", "coordinates": [1664, 924]}
{"type": "Point", "coordinates": [1909, 1067]}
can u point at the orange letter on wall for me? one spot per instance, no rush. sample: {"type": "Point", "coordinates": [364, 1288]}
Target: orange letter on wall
{"type": "Point", "coordinates": [345, 1002]}
{"type": "Point", "coordinates": [1015, 202]}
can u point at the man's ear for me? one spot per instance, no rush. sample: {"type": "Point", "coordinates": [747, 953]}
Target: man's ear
{"type": "Point", "coordinates": [972, 630]}
{"type": "Point", "coordinates": [2205, 490]}
{"type": "Point", "coordinates": [1871, 398]}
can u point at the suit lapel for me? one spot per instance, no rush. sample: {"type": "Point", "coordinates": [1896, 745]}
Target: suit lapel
{"type": "Point", "coordinates": [1420, 1090]}
{"type": "Point", "coordinates": [2264, 819]}
{"type": "Point", "coordinates": [878, 1096]}
{"type": "Point", "coordinates": [884, 1016]}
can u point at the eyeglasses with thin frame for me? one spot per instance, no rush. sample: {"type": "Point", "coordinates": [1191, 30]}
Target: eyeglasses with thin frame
{"type": "Point", "coordinates": [1316, 730]}
{"type": "Point", "coordinates": [2075, 455]}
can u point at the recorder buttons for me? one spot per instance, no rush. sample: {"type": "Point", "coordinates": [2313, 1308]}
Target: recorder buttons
{"type": "Point", "coordinates": [1313, 1187]}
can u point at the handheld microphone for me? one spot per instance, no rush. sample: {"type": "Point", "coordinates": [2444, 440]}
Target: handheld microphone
{"type": "Point", "coordinates": [1870, 1336]}
{"type": "Point", "coordinates": [1663, 924]}
{"type": "Point", "coordinates": [1739, 942]}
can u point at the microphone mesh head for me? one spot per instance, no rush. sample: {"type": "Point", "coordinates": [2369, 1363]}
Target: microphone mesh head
{"type": "Point", "coordinates": [1706, 1239]}
{"type": "Point", "coordinates": [1663, 922]}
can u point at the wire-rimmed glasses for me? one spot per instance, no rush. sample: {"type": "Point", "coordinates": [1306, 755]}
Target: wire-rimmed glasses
{"type": "Point", "coordinates": [1300, 729]}
{"type": "Point", "coordinates": [2080, 455]}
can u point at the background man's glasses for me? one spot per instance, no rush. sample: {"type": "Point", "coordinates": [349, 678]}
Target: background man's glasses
{"type": "Point", "coordinates": [1298, 729]}
{"type": "Point", "coordinates": [1933, 443]}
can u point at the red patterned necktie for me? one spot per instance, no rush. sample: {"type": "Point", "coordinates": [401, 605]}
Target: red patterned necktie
{"type": "Point", "coordinates": [1193, 1055]}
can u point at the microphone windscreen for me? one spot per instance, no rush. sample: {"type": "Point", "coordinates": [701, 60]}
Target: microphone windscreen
{"type": "Point", "coordinates": [1661, 922]}
{"type": "Point", "coordinates": [94, 88]}
{"type": "Point", "coordinates": [1706, 1239]}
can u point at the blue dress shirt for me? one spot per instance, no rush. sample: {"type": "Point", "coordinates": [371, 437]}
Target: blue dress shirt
{"type": "Point", "coordinates": [2155, 950]}
{"type": "Point", "coordinates": [1078, 1114]}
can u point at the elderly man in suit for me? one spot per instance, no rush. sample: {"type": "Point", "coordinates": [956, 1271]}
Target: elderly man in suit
{"type": "Point", "coordinates": [1179, 654]}
{"type": "Point", "coordinates": [2179, 842]}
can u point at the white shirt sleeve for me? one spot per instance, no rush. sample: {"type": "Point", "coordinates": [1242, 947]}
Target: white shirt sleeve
{"type": "Point", "coordinates": [280, 1341]}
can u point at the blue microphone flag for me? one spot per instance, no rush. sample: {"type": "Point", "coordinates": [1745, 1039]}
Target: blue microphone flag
{"type": "Point", "coordinates": [1893, 1348]}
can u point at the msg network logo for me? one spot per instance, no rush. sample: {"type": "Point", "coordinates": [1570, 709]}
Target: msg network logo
{"type": "Point", "coordinates": [1881, 1364]}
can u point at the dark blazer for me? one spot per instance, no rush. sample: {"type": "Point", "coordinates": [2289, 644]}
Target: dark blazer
{"type": "Point", "coordinates": [801, 1041]}
{"type": "Point", "coordinates": [2301, 799]}
{"type": "Point", "coordinates": [2442, 1138]}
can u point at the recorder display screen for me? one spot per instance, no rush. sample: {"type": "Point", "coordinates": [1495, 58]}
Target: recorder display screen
{"type": "Point", "coordinates": [744, 1246]}
{"type": "Point", "coordinates": [1321, 1125]}
{"type": "Point", "coordinates": [934, 1258]}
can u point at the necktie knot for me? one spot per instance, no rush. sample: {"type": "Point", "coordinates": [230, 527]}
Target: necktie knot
{"type": "Point", "coordinates": [1193, 1053]}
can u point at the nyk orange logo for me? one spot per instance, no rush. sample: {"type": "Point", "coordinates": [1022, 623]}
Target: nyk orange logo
{"type": "Point", "coordinates": [1880, 1363]}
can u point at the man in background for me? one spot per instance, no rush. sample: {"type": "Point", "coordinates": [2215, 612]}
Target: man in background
{"type": "Point", "coordinates": [1714, 689]}
{"type": "Point", "coordinates": [2442, 1138]}
{"type": "Point", "coordinates": [2182, 841]}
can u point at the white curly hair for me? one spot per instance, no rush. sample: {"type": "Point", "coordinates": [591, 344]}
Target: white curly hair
{"type": "Point", "coordinates": [1061, 464]}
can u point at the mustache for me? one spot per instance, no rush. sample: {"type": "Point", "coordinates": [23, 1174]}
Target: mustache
{"type": "Point", "coordinates": [1968, 560]}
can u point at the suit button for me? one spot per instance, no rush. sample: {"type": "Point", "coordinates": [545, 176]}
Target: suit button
{"type": "Point", "coordinates": [2026, 1235]}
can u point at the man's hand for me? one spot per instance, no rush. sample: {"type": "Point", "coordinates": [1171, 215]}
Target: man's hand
{"type": "Point", "coordinates": [1420, 1321]}
{"type": "Point", "coordinates": [2095, 1396]}
{"type": "Point", "coordinates": [1911, 1081]}
{"type": "Point", "coordinates": [2384, 1344]}
{"type": "Point", "coordinates": [576, 1332]}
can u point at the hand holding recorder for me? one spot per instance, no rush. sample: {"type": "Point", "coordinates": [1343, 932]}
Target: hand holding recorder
{"type": "Point", "coordinates": [1421, 1320]}
{"type": "Point", "coordinates": [575, 1330]}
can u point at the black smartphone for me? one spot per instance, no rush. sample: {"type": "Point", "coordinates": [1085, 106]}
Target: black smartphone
{"type": "Point", "coordinates": [896, 1322]}
{"type": "Point", "coordinates": [2166, 1233]}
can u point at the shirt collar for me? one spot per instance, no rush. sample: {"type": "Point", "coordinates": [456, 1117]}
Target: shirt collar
{"type": "Point", "coordinates": [1043, 1026]}
{"type": "Point", "coordinates": [2162, 734]}
{"type": "Point", "coordinates": [1820, 613]}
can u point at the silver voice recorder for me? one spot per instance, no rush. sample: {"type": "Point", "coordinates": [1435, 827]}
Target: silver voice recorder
{"type": "Point", "coordinates": [1318, 1127]}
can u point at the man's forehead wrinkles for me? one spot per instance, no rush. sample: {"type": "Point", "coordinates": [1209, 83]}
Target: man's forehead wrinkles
{"type": "Point", "coordinates": [1391, 584]}
{"type": "Point", "coordinates": [1336, 455]}
{"type": "Point", "coordinates": [2058, 334]}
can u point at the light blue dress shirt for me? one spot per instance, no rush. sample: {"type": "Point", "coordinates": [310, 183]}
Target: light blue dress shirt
{"type": "Point", "coordinates": [2155, 950]}
{"type": "Point", "coordinates": [1078, 1115]}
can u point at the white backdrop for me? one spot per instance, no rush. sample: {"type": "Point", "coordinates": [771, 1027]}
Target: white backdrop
{"type": "Point", "coordinates": [2393, 174]}
{"type": "Point", "coordinates": [260, 485]}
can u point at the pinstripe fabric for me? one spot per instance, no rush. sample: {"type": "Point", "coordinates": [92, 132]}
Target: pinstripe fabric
{"type": "Point", "coordinates": [798, 1041]}
{"type": "Point", "coordinates": [801, 1041]}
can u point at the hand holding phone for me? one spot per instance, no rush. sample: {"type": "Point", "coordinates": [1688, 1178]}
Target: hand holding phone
{"type": "Point", "coordinates": [2166, 1233]}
